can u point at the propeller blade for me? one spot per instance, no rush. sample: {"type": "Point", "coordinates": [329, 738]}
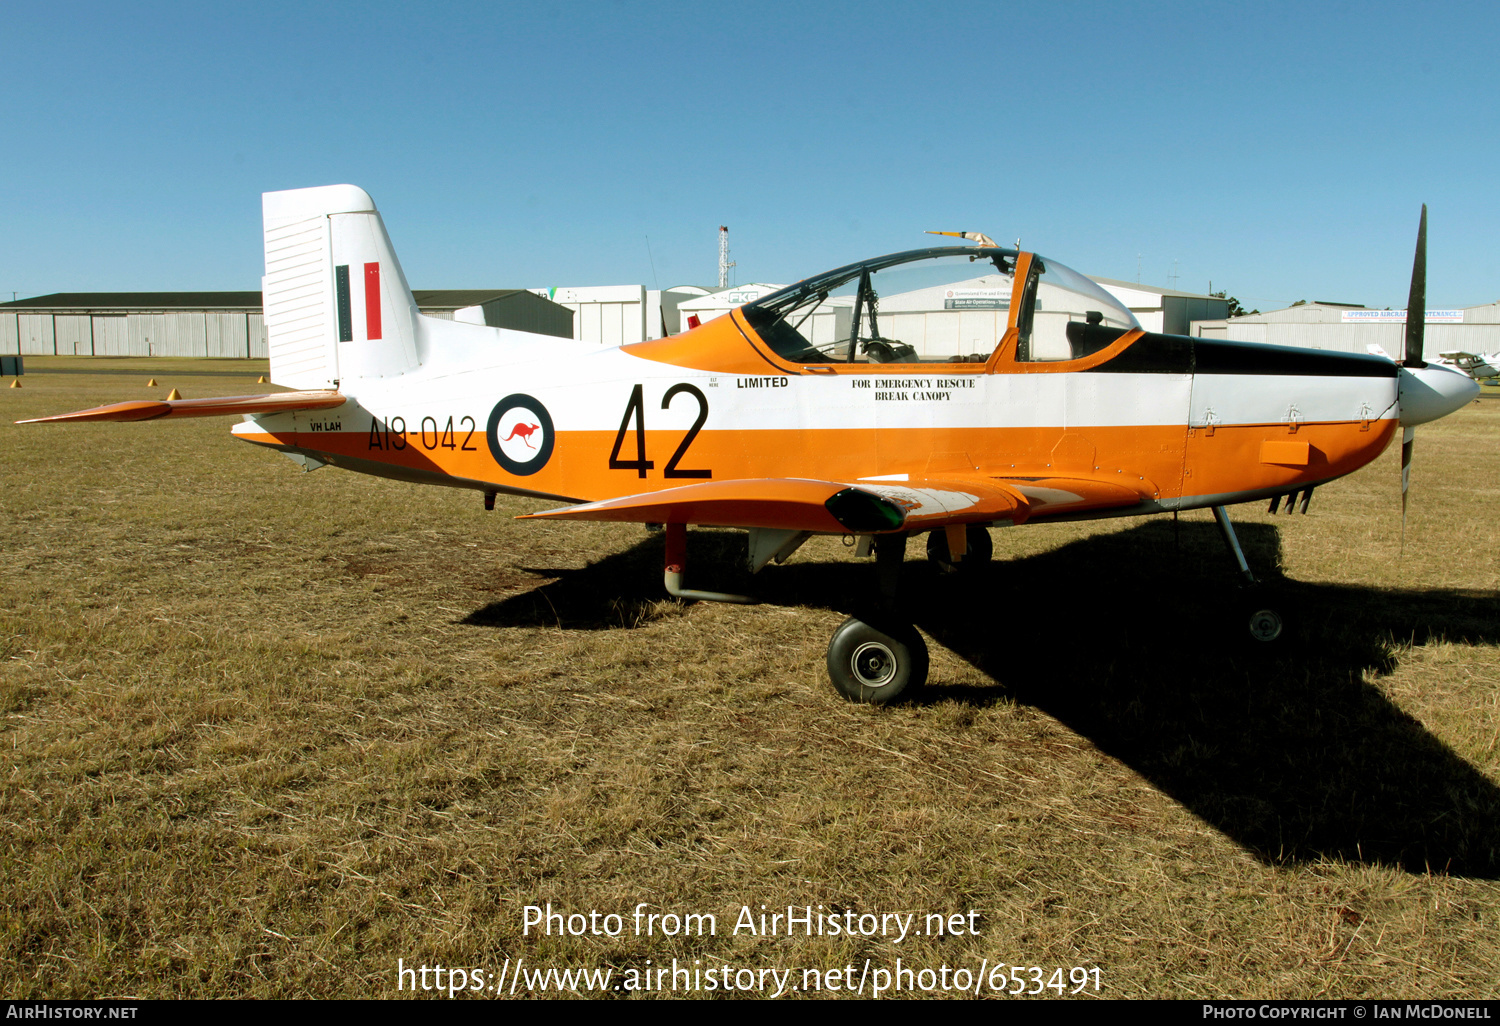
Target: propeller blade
{"type": "Point", "coordinates": [1408, 442]}
{"type": "Point", "coordinates": [1416, 304]}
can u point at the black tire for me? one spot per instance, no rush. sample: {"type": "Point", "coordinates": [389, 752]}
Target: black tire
{"type": "Point", "coordinates": [981, 550]}
{"type": "Point", "coordinates": [1266, 626]}
{"type": "Point", "coordinates": [1264, 616]}
{"type": "Point", "coordinates": [878, 667]}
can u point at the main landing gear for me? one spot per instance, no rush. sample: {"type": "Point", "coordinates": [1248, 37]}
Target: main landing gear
{"type": "Point", "coordinates": [874, 664]}
{"type": "Point", "coordinates": [1265, 623]}
{"type": "Point", "coordinates": [880, 658]}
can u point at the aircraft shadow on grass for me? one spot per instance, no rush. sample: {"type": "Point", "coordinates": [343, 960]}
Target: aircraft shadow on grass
{"type": "Point", "coordinates": [1136, 641]}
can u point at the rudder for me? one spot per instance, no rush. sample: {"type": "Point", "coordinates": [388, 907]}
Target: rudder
{"type": "Point", "coordinates": [337, 306]}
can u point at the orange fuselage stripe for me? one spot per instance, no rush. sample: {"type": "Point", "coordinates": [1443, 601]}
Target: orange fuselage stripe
{"type": "Point", "coordinates": [1164, 462]}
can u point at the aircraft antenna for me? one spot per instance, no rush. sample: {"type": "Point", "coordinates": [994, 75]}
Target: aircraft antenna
{"type": "Point", "coordinates": [724, 262]}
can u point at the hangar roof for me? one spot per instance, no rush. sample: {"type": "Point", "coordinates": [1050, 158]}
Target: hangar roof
{"type": "Point", "coordinates": [456, 299]}
{"type": "Point", "coordinates": [427, 299]}
{"type": "Point", "coordinates": [249, 301]}
{"type": "Point", "coordinates": [1152, 289]}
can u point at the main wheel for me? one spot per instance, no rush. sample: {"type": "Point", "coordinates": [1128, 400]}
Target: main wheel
{"type": "Point", "coordinates": [867, 664]}
{"type": "Point", "coordinates": [981, 549]}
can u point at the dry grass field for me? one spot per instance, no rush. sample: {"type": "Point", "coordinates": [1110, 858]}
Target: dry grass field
{"type": "Point", "coordinates": [266, 733]}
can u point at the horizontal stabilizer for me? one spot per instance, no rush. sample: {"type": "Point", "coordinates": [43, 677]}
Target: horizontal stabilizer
{"type": "Point", "coordinates": [150, 409]}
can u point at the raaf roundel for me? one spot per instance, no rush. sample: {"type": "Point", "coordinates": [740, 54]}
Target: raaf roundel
{"type": "Point", "coordinates": [942, 390]}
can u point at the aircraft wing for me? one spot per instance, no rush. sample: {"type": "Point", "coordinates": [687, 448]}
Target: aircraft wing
{"type": "Point", "coordinates": [865, 507]}
{"type": "Point", "coordinates": [150, 409]}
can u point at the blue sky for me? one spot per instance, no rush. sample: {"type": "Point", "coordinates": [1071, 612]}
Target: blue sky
{"type": "Point", "coordinates": [1281, 151]}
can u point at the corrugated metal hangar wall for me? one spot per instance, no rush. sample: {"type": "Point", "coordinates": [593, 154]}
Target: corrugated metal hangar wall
{"type": "Point", "coordinates": [218, 324]}
{"type": "Point", "coordinates": [223, 324]}
{"type": "Point", "coordinates": [1354, 329]}
{"type": "Point", "coordinates": [136, 334]}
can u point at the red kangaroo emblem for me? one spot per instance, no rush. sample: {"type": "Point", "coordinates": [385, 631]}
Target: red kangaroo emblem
{"type": "Point", "coordinates": [525, 431]}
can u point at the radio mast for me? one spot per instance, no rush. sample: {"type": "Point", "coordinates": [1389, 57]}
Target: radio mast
{"type": "Point", "coordinates": [724, 262]}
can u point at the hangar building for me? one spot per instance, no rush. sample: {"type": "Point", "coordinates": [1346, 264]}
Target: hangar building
{"type": "Point", "coordinates": [221, 324]}
{"type": "Point", "coordinates": [518, 309]}
{"type": "Point", "coordinates": [230, 324]}
{"type": "Point", "coordinates": [1345, 327]}
{"type": "Point", "coordinates": [134, 324]}
{"type": "Point", "coordinates": [1164, 310]}
{"type": "Point", "coordinates": [616, 315]}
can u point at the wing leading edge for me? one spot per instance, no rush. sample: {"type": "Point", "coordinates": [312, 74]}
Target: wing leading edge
{"type": "Point", "coordinates": [831, 507]}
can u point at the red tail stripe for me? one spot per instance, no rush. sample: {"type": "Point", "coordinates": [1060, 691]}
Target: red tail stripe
{"type": "Point", "coordinates": [372, 301]}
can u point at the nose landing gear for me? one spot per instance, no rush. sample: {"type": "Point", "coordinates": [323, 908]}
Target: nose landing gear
{"type": "Point", "coordinates": [1265, 624]}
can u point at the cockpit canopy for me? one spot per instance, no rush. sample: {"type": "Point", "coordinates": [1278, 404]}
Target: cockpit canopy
{"type": "Point", "coordinates": [947, 304]}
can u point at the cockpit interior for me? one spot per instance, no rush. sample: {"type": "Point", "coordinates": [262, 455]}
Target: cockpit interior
{"type": "Point", "coordinates": [947, 304]}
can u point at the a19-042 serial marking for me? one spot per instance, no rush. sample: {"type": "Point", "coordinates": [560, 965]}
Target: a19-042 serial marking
{"type": "Point", "coordinates": [392, 434]}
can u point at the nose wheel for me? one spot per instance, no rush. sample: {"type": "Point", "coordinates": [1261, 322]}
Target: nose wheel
{"type": "Point", "coordinates": [876, 665]}
{"type": "Point", "coordinates": [1265, 625]}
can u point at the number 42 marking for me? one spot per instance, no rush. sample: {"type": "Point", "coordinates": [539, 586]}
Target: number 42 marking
{"type": "Point", "coordinates": [635, 411]}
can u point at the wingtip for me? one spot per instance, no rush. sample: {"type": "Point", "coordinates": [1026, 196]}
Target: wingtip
{"type": "Point", "coordinates": [143, 409]}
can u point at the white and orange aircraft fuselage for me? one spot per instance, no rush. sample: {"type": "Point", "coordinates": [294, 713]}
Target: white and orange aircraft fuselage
{"type": "Point", "coordinates": [940, 390]}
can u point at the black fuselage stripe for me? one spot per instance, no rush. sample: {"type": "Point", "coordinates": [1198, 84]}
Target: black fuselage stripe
{"type": "Point", "coordinates": [1181, 354]}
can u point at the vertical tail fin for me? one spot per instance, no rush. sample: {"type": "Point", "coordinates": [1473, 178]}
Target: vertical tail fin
{"type": "Point", "coordinates": [337, 306]}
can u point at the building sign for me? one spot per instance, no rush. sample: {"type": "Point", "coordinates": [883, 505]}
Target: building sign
{"type": "Point", "coordinates": [1399, 317]}
{"type": "Point", "coordinates": [976, 299]}
{"type": "Point", "coordinates": [739, 297]}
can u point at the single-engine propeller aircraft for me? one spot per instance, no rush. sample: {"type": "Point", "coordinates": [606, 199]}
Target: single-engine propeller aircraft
{"type": "Point", "coordinates": [942, 390]}
{"type": "Point", "coordinates": [1478, 366]}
